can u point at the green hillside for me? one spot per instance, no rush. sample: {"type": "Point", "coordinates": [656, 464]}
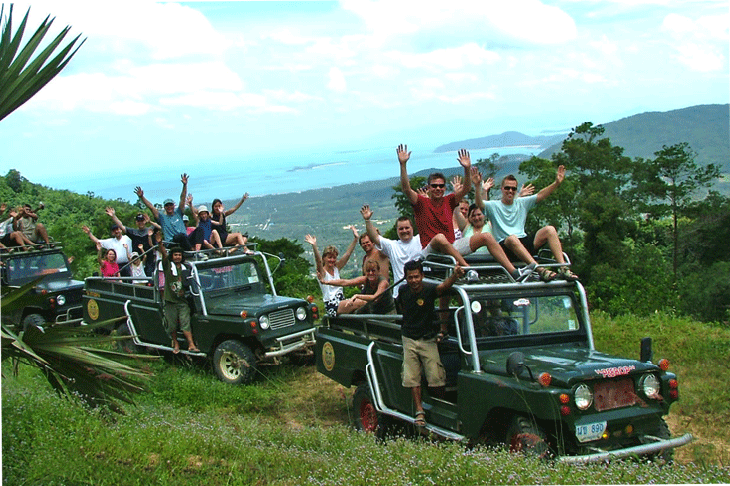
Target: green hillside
{"type": "Point", "coordinates": [704, 127]}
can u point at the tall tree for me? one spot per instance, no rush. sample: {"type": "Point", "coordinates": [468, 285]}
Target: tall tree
{"type": "Point", "coordinates": [670, 183]}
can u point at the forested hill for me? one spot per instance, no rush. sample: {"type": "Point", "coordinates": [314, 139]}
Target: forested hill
{"type": "Point", "coordinates": [506, 139]}
{"type": "Point", "coordinates": [703, 127]}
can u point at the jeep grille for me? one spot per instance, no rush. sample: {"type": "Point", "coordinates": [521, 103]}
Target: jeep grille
{"type": "Point", "coordinates": [281, 318]}
{"type": "Point", "coordinates": [615, 394]}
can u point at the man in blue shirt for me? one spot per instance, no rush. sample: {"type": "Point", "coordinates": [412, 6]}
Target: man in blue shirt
{"type": "Point", "coordinates": [171, 220]}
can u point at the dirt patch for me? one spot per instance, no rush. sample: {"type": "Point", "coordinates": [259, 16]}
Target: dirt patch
{"type": "Point", "coordinates": [704, 448]}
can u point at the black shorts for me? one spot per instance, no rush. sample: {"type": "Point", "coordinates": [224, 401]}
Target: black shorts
{"type": "Point", "coordinates": [528, 242]}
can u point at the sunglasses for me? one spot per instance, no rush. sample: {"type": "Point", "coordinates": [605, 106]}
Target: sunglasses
{"type": "Point", "coordinates": [438, 186]}
{"type": "Point", "coordinates": [510, 188]}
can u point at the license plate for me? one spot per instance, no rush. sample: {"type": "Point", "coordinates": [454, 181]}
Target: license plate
{"type": "Point", "coordinates": [587, 432]}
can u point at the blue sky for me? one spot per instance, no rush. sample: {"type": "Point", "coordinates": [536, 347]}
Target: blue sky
{"type": "Point", "coordinates": [208, 84]}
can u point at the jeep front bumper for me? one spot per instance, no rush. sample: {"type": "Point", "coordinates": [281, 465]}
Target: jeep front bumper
{"type": "Point", "coordinates": [605, 456]}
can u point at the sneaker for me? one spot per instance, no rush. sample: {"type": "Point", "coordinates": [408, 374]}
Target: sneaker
{"type": "Point", "coordinates": [472, 276]}
{"type": "Point", "coordinates": [525, 272]}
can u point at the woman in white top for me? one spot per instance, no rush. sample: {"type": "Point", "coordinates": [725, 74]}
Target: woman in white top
{"type": "Point", "coordinates": [328, 268]}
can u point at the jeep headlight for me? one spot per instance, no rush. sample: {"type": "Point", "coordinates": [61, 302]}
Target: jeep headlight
{"type": "Point", "coordinates": [264, 322]}
{"type": "Point", "coordinates": [301, 313]}
{"type": "Point", "coordinates": [61, 299]}
{"type": "Point", "coordinates": [649, 385]}
{"type": "Point", "coordinates": [583, 397]}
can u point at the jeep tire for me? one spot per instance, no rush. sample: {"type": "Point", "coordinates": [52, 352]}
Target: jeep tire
{"type": "Point", "coordinates": [36, 320]}
{"type": "Point", "coordinates": [366, 417]}
{"type": "Point", "coordinates": [234, 362]}
{"type": "Point", "coordinates": [526, 437]}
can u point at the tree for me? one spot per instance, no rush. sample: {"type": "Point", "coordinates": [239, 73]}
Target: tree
{"type": "Point", "coordinates": [669, 184]}
{"type": "Point", "coordinates": [20, 77]}
{"type": "Point", "coordinates": [403, 205]}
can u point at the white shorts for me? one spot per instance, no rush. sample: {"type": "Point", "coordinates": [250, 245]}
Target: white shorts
{"type": "Point", "coordinates": [461, 245]}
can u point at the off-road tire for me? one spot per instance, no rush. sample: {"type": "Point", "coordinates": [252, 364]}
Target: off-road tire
{"type": "Point", "coordinates": [234, 363]}
{"type": "Point", "coordinates": [125, 345]}
{"type": "Point", "coordinates": [662, 431]}
{"type": "Point", "coordinates": [527, 438]}
{"type": "Point", "coordinates": [36, 320]}
{"type": "Point", "coordinates": [366, 416]}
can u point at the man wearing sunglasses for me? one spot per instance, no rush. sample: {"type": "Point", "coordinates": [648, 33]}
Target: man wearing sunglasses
{"type": "Point", "coordinates": [434, 217]}
{"type": "Point", "coordinates": [508, 216]}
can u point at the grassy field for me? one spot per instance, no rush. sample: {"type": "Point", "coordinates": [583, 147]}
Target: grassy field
{"type": "Point", "coordinates": [291, 428]}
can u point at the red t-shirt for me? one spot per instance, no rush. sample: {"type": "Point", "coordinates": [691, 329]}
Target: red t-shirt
{"type": "Point", "coordinates": [432, 219]}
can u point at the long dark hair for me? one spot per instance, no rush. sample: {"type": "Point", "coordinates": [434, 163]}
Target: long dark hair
{"type": "Point", "coordinates": [213, 205]}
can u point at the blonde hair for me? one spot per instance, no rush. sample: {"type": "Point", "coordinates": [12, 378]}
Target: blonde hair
{"type": "Point", "coordinates": [331, 249]}
{"type": "Point", "coordinates": [372, 263]}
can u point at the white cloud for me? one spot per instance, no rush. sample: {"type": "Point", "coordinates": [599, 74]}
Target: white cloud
{"type": "Point", "coordinates": [337, 80]}
{"type": "Point", "coordinates": [701, 44]}
{"type": "Point", "coordinates": [457, 58]}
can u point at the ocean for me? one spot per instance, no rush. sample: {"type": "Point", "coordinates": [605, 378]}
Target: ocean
{"type": "Point", "coordinates": [262, 175]}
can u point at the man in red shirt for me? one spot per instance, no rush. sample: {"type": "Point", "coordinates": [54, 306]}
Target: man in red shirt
{"type": "Point", "coordinates": [434, 216]}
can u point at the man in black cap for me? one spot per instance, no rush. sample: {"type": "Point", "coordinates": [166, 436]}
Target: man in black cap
{"type": "Point", "coordinates": [141, 235]}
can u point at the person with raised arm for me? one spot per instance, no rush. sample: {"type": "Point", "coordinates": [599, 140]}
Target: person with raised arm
{"type": "Point", "coordinates": [372, 285]}
{"type": "Point", "coordinates": [171, 219]}
{"type": "Point", "coordinates": [328, 268]}
{"type": "Point", "coordinates": [434, 218]}
{"type": "Point", "coordinates": [372, 253]}
{"type": "Point", "coordinates": [118, 242]}
{"type": "Point", "coordinates": [139, 235]}
{"type": "Point", "coordinates": [508, 216]}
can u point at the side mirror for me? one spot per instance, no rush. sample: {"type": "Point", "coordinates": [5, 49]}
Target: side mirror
{"type": "Point", "coordinates": [515, 363]}
{"type": "Point", "coordinates": [646, 354]}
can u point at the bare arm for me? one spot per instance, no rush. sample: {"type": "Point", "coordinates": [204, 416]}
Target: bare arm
{"type": "Point", "coordinates": [194, 211]}
{"type": "Point", "coordinates": [147, 220]}
{"type": "Point", "coordinates": [367, 213]}
{"type": "Point", "coordinates": [382, 287]}
{"type": "Point", "coordinates": [346, 256]}
{"type": "Point", "coordinates": [342, 282]}
{"type": "Point", "coordinates": [184, 192]}
{"type": "Point", "coordinates": [93, 238]}
{"type": "Point", "coordinates": [486, 186]}
{"type": "Point", "coordinates": [160, 247]}
{"type": "Point", "coordinates": [140, 194]}
{"type": "Point", "coordinates": [312, 240]}
{"type": "Point", "coordinates": [449, 282]}
{"type": "Point", "coordinates": [546, 191]}
{"type": "Point", "coordinates": [461, 221]}
{"type": "Point", "coordinates": [465, 161]}
{"type": "Point", "coordinates": [113, 214]}
{"type": "Point", "coordinates": [405, 183]}
{"type": "Point", "coordinates": [235, 208]}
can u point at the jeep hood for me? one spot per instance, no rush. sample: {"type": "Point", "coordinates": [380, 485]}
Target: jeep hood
{"type": "Point", "coordinates": [255, 305]}
{"type": "Point", "coordinates": [566, 365]}
{"type": "Point", "coordinates": [58, 285]}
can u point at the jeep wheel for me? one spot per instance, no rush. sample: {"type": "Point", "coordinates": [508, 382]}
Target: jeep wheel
{"type": "Point", "coordinates": [125, 345]}
{"type": "Point", "coordinates": [366, 417]}
{"type": "Point", "coordinates": [525, 437]}
{"type": "Point", "coordinates": [36, 320]}
{"type": "Point", "coordinates": [662, 432]}
{"type": "Point", "coordinates": [234, 362]}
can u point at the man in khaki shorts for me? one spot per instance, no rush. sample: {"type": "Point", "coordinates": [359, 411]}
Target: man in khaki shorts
{"type": "Point", "coordinates": [420, 333]}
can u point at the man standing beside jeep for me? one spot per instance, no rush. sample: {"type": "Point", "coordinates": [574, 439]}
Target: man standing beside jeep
{"type": "Point", "coordinates": [420, 334]}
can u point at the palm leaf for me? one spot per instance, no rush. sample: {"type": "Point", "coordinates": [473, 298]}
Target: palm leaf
{"type": "Point", "coordinates": [21, 78]}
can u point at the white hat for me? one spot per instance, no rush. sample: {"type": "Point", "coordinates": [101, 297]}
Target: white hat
{"type": "Point", "coordinates": [203, 209]}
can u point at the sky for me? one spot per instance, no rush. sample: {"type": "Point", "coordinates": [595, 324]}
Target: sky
{"type": "Point", "coordinates": [222, 86]}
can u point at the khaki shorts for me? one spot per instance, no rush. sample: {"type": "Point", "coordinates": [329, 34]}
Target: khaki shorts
{"type": "Point", "coordinates": [422, 352]}
{"type": "Point", "coordinates": [461, 245]}
{"type": "Point", "coordinates": [177, 314]}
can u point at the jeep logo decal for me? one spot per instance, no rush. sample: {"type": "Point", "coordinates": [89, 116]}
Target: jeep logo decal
{"type": "Point", "coordinates": [328, 356]}
{"type": "Point", "coordinates": [93, 308]}
{"type": "Point", "coordinates": [615, 371]}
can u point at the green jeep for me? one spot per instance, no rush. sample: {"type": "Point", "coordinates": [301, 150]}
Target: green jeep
{"type": "Point", "coordinates": [238, 321]}
{"type": "Point", "coordinates": [56, 297]}
{"type": "Point", "coordinates": [521, 370]}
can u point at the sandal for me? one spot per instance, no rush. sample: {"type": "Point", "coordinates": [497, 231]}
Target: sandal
{"type": "Point", "coordinates": [420, 419]}
{"type": "Point", "coordinates": [566, 274]}
{"type": "Point", "coordinates": [546, 275]}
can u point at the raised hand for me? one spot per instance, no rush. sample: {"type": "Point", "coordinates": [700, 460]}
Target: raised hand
{"type": "Point", "coordinates": [312, 240]}
{"type": "Point", "coordinates": [456, 183]}
{"type": "Point", "coordinates": [476, 176]}
{"type": "Point", "coordinates": [110, 211]}
{"type": "Point", "coordinates": [527, 190]}
{"type": "Point", "coordinates": [422, 191]}
{"type": "Point", "coordinates": [403, 153]}
{"type": "Point", "coordinates": [86, 229]}
{"type": "Point", "coordinates": [184, 179]}
{"type": "Point", "coordinates": [487, 185]}
{"type": "Point", "coordinates": [139, 192]}
{"type": "Point", "coordinates": [366, 212]}
{"type": "Point", "coordinates": [464, 158]}
{"type": "Point", "coordinates": [560, 174]}
{"type": "Point", "coordinates": [189, 200]}
{"type": "Point", "coordinates": [354, 232]}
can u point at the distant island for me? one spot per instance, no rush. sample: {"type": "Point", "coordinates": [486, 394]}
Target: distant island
{"type": "Point", "coordinates": [506, 139]}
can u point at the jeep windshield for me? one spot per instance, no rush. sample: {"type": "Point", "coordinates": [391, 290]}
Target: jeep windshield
{"type": "Point", "coordinates": [24, 269]}
{"type": "Point", "coordinates": [238, 276]}
{"type": "Point", "coordinates": [512, 316]}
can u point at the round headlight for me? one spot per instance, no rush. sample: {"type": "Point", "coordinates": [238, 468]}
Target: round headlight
{"type": "Point", "coordinates": [264, 322]}
{"type": "Point", "coordinates": [301, 313]}
{"type": "Point", "coordinates": [476, 307]}
{"type": "Point", "coordinates": [583, 397]}
{"type": "Point", "coordinates": [61, 299]}
{"type": "Point", "coordinates": [649, 385]}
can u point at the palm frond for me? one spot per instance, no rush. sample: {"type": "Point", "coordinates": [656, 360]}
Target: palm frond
{"type": "Point", "coordinates": [20, 77]}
